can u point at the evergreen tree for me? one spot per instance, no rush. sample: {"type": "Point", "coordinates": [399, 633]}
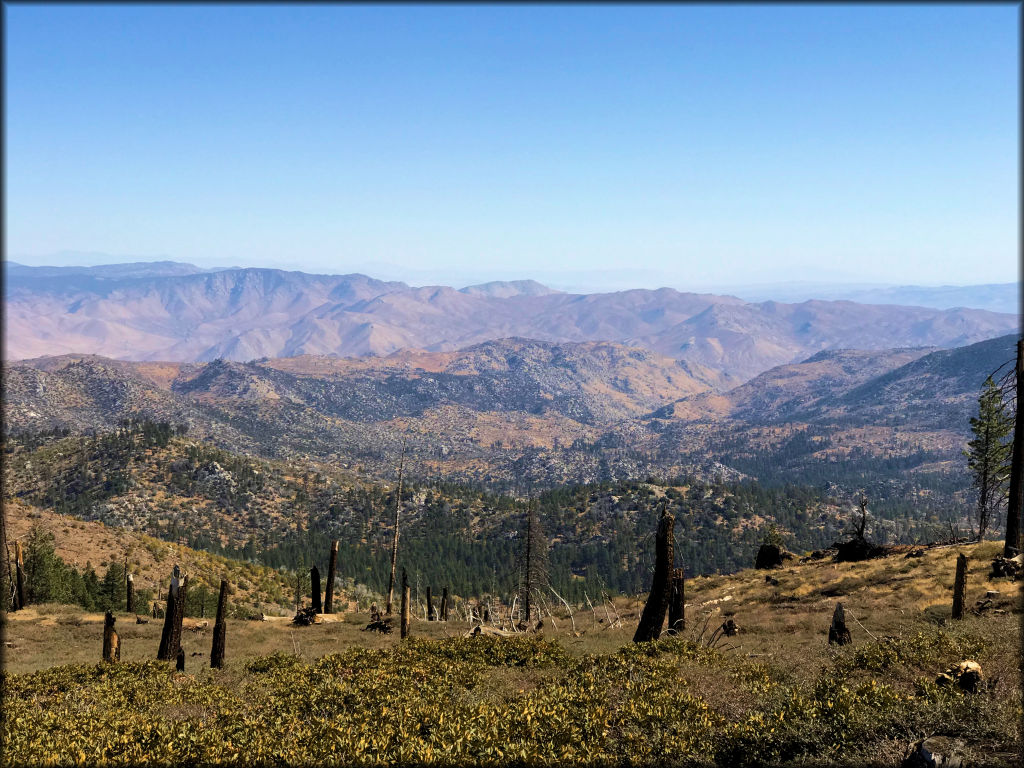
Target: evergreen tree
{"type": "Point", "coordinates": [46, 576]}
{"type": "Point", "coordinates": [988, 454]}
{"type": "Point", "coordinates": [112, 588]}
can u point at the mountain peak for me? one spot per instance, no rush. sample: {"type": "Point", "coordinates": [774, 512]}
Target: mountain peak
{"type": "Point", "coordinates": [505, 289]}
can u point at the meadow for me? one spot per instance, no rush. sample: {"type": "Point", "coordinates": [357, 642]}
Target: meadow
{"type": "Point", "coordinates": [576, 691]}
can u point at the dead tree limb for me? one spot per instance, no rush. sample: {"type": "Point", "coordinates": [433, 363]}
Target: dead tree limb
{"type": "Point", "coordinates": [571, 619]}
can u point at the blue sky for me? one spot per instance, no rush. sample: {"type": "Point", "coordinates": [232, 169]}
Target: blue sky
{"type": "Point", "coordinates": [682, 145]}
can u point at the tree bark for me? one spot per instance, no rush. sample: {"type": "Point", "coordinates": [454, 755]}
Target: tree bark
{"type": "Point", "coordinates": [430, 606]}
{"type": "Point", "coordinates": [394, 544]}
{"type": "Point", "coordinates": [329, 588]}
{"type": "Point", "coordinates": [653, 616]}
{"type": "Point", "coordinates": [314, 589]}
{"type": "Point", "coordinates": [111, 642]}
{"type": "Point", "coordinates": [960, 587]}
{"type": "Point", "coordinates": [677, 605]}
{"type": "Point", "coordinates": [405, 605]}
{"type": "Point", "coordinates": [220, 628]}
{"type": "Point", "coordinates": [444, 604]}
{"type": "Point", "coordinates": [129, 591]}
{"type": "Point", "coordinates": [1015, 502]}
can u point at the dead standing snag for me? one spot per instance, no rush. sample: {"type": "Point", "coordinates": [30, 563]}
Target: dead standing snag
{"type": "Point", "coordinates": [653, 615]}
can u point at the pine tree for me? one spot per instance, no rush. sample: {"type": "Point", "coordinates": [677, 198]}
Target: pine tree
{"type": "Point", "coordinates": [988, 454]}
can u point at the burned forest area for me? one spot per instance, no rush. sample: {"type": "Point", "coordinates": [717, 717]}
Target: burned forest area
{"type": "Point", "coordinates": [174, 599]}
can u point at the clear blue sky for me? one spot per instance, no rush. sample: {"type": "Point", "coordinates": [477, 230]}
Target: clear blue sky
{"type": "Point", "coordinates": [686, 145]}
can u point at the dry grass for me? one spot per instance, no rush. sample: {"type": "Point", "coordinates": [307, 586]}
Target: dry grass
{"type": "Point", "coordinates": [784, 625]}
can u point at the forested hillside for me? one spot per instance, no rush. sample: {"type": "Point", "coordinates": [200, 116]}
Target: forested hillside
{"type": "Point", "coordinates": [151, 478]}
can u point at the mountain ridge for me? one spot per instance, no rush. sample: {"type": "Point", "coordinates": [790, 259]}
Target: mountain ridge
{"type": "Point", "coordinates": [251, 313]}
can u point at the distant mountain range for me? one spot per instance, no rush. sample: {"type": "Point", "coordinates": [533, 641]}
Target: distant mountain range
{"type": "Point", "coordinates": [178, 312]}
{"type": "Point", "coordinates": [517, 409]}
{"type": "Point", "coordinates": [995, 297]}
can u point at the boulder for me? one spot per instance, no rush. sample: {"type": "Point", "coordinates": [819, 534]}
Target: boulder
{"type": "Point", "coordinates": [967, 676]}
{"type": "Point", "coordinates": [933, 752]}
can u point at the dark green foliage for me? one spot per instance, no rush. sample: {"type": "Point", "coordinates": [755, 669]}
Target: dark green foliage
{"type": "Point", "coordinates": [988, 454]}
{"type": "Point", "coordinates": [48, 579]}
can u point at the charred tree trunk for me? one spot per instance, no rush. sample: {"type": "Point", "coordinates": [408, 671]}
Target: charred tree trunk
{"type": "Point", "coordinates": [430, 606]}
{"type": "Point", "coordinates": [129, 592]}
{"type": "Point", "coordinates": [180, 663]}
{"type": "Point", "coordinates": [1015, 502]}
{"type": "Point", "coordinates": [960, 587]}
{"type": "Point", "coordinates": [838, 632]}
{"type": "Point", "coordinates": [19, 575]}
{"type": "Point", "coordinates": [405, 605]}
{"type": "Point", "coordinates": [677, 605]}
{"type": "Point", "coordinates": [220, 627]}
{"type": "Point", "coordinates": [170, 637]}
{"type": "Point", "coordinates": [653, 616]}
{"type": "Point", "coordinates": [111, 642]}
{"type": "Point", "coordinates": [314, 589]}
{"type": "Point", "coordinates": [394, 543]}
{"type": "Point", "coordinates": [329, 589]}
{"type": "Point", "coordinates": [444, 604]}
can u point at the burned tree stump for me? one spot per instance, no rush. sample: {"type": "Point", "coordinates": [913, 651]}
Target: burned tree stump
{"type": "Point", "coordinates": [444, 604]}
{"type": "Point", "coordinates": [129, 592]}
{"type": "Point", "coordinates": [677, 605]}
{"type": "Point", "coordinates": [314, 589]}
{"type": "Point", "coordinates": [111, 642]}
{"type": "Point", "coordinates": [405, 606]}
{"type": "Point", "coordinates": [768, 556]}
{"type": "Point", "coordinates": [430, 606]}
{"type": "Point", "coordinates": [838, 632]}
{"type": "Point", "coordinates": [653, 615]}
{"type": "Point", "coordinates": [960, 587]}
{"type": "Point", "coordinates": [220, 627]}
{"type": "Point", "coordinates": [332, 566]}
{"type": "Point", "coordinates": [19, 576]}
{"type": "Point", "coordinates": [170, 637]}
